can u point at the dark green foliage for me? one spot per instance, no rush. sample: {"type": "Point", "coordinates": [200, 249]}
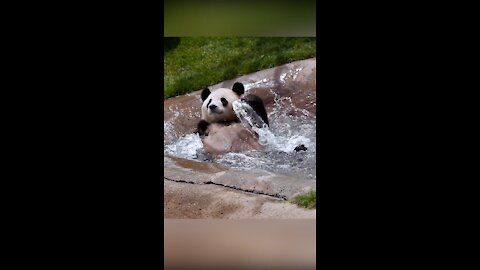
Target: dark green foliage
{"type": "Point", "coordinates": [307, 200]}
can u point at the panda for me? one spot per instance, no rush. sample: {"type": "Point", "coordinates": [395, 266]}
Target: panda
{"type": "Point", "coordinates": [220, 129]}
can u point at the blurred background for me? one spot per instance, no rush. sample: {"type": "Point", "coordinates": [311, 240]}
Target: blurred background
{"type": "Point", "coordinates": [240, 18]}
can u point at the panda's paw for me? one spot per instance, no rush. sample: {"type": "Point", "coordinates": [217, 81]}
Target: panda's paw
{"type": "Point", "coordinates": [301, 148]}
{"type": "Point", "coordinates": [202, 127]}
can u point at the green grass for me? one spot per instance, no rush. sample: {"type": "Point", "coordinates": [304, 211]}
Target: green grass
{"type": "Point", "coordinates": [307, 200]}
{"type": "Point", "coordinates": [192, 63]}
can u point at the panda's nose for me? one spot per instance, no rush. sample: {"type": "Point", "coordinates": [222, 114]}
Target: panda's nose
{"type": "Point", "coordinates": [213, 107]}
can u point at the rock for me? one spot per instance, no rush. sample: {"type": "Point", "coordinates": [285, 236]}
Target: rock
{"type": "Point", "coordinates": [253, 181]}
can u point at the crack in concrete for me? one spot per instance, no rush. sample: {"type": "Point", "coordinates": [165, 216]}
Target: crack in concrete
{"type": "Point", "coordinates": [180, 181]}
{"type": "Point", "coordinates": [277, 196]}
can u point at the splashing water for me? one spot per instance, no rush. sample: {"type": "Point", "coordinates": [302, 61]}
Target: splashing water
{"type": "Point", "coordinates": [254, 123]}
{"type": "Point", "coordinates": [286, 132]}
{"type": "Point", "coordinates": [187, 147]}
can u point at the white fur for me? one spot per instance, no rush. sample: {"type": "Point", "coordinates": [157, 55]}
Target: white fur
{"type": "Point", "coordinates": [223, 113]}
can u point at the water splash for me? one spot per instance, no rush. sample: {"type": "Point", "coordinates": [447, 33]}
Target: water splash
{"type": "Point", "coordinates": [254, 123]}
{"type": "Point", "coordinates": [285, 133]}
{"type": "Point", "coordinates": [186, 147]}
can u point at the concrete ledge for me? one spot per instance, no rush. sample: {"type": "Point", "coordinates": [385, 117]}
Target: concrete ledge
{"type": "Point", "coordinates": [254, 181]}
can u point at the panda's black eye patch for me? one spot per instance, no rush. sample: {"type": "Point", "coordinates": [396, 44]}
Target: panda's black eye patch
{"type": "Point", "coordinates": [224, 101]}
{"type": "Point", "coordinates": [209, 102]}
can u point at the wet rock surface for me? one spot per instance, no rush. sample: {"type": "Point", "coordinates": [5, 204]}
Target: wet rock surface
{"type": "Point", "coordinates": [198, 189]}
{"type": "Point", "coordinates": [251, 181]}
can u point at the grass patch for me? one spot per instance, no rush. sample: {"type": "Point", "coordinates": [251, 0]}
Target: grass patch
{"type": "Point", "coordinates": [191, 63]}
{"type": "Point", "coordinates": [307, 200]}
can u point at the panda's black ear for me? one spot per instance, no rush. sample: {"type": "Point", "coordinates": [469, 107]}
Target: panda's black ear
{"type": "Point", "coordinates": [238, 88]}
{"type": "Point", "coordinates": [205, 93]}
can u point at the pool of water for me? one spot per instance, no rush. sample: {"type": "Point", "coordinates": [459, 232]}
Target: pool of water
{"type": "Point", "coordinates": [289, 128]}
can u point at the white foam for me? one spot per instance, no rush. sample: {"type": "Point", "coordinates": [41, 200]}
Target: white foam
{"type": "Point", "coordinates": [185, 147]}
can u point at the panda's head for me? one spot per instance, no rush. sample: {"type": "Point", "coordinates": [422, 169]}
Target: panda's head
{"type": "Point", "coordinates": [217, 105]}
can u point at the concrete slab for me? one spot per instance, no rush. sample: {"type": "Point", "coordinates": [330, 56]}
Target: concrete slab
{"type": "Point", "coordinates": [252, 181]}
{"type": "Point", "coordinates": [191, 201]}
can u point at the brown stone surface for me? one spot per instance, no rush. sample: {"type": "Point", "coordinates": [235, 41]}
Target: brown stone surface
{"type": "Point", "coordinates": [198, 166]}
{"type": "Point", "coordinates": [191, 201]}
{"type": "Point", "coordinates": [254, 181]}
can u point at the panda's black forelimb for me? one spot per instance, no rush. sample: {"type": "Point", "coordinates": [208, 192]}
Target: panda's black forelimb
{"type": "Point", "coordinates": [202, 127]}
{"type": "Point", "coordinates": [257, 105]}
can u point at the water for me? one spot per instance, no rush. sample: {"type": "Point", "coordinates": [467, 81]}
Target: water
{"type": "Point", "coordinates": [267, 137]}
{"type": "Point", "coordinates": [186, 147]}
{"type": "Point", "coordinates": [289, 128]}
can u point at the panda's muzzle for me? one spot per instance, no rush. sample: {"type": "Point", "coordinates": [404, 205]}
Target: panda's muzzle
{"type": "Point", "coordinates": [214, 109]}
